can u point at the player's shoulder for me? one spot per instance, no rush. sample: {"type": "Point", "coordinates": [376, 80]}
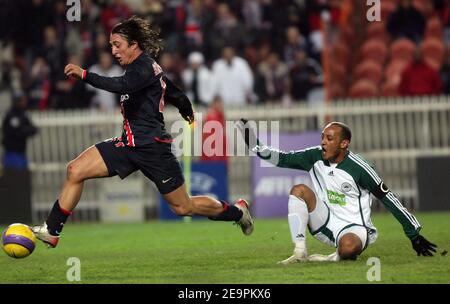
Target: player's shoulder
{"type": "Point", "coordinates": [359, 163]}
{"type": "Point", "coordinates": [311, 150]}
{"type": "Point", "coordinates": [313, 153]}
{"type": "Point", "coordinates": [144, 58]}
{"type": "Point", "coordinates": [358, 159]}
{"type": "Point", "coordinates": [146, 63]}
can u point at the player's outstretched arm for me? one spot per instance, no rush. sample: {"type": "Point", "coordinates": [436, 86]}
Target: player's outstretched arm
{"type": "Point", "coordinates": [134, 79]}
{"type": "Point", "coordinates": [411, 226]}
{"type": "Point", "coordinates": [409, 222]}
{"type": "Point", "coordinates": [302, 159]}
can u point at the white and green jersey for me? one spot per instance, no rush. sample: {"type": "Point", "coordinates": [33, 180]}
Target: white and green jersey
{"type": "Point", "coordinates": [344, 187]}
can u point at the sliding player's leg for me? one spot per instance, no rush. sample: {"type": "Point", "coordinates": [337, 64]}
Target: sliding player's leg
{"type": "Point", "coordinates": [302, 202]}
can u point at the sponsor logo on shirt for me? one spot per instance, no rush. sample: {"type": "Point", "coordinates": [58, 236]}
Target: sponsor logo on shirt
{"type": "Point", "coordinates": [336, 198]}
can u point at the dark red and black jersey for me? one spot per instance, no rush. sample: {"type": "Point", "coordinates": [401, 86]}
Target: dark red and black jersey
{"type": "Point", "coordinates": [144, 90]}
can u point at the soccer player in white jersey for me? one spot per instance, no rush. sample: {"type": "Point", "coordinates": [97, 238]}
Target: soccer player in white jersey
{"type": "Point", "coordinates": [337, 209]}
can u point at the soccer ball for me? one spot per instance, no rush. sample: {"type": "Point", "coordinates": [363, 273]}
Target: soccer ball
{"type": "Point", "coordinates": [18, 240]}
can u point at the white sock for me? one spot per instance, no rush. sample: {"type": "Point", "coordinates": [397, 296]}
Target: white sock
{"type": "Point", "coordinates": [298, 219]}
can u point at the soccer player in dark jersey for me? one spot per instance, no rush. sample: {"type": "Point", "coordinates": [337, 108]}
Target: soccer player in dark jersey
{"type": "Point", "coordinates": [144, 145]}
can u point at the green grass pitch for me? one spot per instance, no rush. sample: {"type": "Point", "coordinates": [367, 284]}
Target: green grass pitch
{"type": "Point", "coordinates": [216, 252]}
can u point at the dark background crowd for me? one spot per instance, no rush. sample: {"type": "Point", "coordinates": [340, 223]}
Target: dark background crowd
{"type": "Point", "coordinates": [238, 51]}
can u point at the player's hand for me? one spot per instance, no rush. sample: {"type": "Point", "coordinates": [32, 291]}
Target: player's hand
{"type": "Point", "coordinates": [422, 246]}
{"type": "Point", "coordinates": [248, 133]}
{"type": "Point", "coordinates": [73, 70]}
{"type": "Point", "coordinates": [188, 115]}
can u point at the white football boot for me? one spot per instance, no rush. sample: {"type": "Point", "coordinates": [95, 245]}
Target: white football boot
{"type": "Point", "coordinates": [300, 255]}
{"type": "Point", "coordinates": [334, 257]}
{"type": "Point", "coordinates": [41, 232]}
{"type": "Point", "coordinates": [246, 221]}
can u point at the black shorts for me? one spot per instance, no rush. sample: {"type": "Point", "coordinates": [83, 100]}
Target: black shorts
{"type": "Point", "coordinates": [155, 160]}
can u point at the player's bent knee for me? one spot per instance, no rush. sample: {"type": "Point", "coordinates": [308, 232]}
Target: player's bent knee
{"type": "Point", "coordinates": [74, 173]}
{"type": "Point", "coordinates": [349, 248]}
{"type": "Point", "coordinates": [300, 190]}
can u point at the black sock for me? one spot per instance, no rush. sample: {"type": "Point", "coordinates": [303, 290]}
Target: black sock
{"type": "Point", "coordinates": [56, 219]}
{"type": "Point", "coordinates": [229, 213]}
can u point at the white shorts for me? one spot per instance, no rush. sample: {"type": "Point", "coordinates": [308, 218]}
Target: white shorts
{"type": "Point", "coordinates": [328, 228]}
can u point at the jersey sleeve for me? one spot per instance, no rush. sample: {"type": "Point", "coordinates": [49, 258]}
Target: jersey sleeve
{"type": "Point", "coordinates": [370, 180]}
{"type": "Point", "coordinates": [301, 159]}
{"type": "Point", "coordinates": [135, 78]}
{"type": "Point", "coordinates": [176, 97]}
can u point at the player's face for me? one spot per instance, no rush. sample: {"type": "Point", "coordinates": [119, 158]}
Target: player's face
{"type": "Point", "coordinates": [121, 49]}
{"type": "Point", "coordinates": [333, 147]}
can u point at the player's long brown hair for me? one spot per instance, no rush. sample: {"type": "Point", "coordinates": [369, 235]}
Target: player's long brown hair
{"type": "Point", "coordinates": [136, 29]}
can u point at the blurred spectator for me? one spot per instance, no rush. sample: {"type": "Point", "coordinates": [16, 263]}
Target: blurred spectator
{"type": "Point", "coordinates": [172, 23]}
{"type": "Point", "coordinates": [227, 30]}
{"type": "Point", "coordinates": [38, 85]}
{"type": "Point", "coordinates": [272, 79]}
{"type": "Point", "coordinates": [112, 14]}
{"type": "Point", "coordinates": [16, 129]}
{"type": "Point", "coordinates": [445, 72]}
{"type": "Point", "coordinates": [304, 75]}
{"type": "Point", "coordinates": [197, 80]}
{"type": "Point", "coordinates": [52, 51]}
{"type": "Point", "coordinates": [33, 18]}
{"type": "Point", "coordinates": [74, 41]}
{"type": "Point", "coordinates": [4, 18]}
{"type": "Point", "coordinates": [170, 64]}
{"type": "Point", "coordinates": [153, 10]}
{"type": "Point", "coordinates": [420, 79]}
{"type": "Point", "coordinates": [407, 22]}
{"type": "Point", "coordinates": [87, 40]}
{"type": "Point", "coordinates": [208, 19]}
{"type": "Point", "coordinates": [104, 100]}
{"type": "Point", "coordinates": [101, 44]}
{"type": "Point", "coordinates": [233, 78]}
{"type": "Point", "coordinates": [193, 25]}
{"type": "Point", "coordinates": [252, 12]}
{"type": "Point", "coordinates": [442, 10]}
{"type": "Point", "coordinates": [6, 61]}
{"type": "Point", "coordinates": [60, 20]}
{"type": "Point", "coordinates": [256, 19]}
{"type": "Point", "coordinates": [70, 93]}
{"type": "Point", "coordinates": [294, 42]}
{"type": "Point", "coordinates": [214, 147]}
{"type": "Point", "coordinates": [282, 14]}
{"type": "Point", "coordinates": [90, 12]}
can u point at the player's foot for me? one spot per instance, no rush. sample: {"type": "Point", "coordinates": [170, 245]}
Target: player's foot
{"type": "Point", "coordinates": [41, 232]}
{"type": "Point", "coordinates": [334, 257]}
{"type": "Point", "coordinates": [246, 221]}
{"type": "Point", "coordinates": [300, 255]}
